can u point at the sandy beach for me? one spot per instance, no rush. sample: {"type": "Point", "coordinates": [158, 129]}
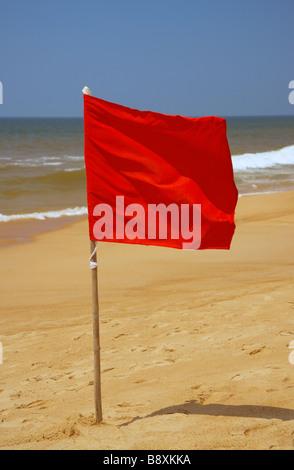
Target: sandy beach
{"type": "Point", "coordinates": [194, 345]}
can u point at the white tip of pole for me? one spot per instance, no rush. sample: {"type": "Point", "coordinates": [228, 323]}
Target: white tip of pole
{"type": "Point", "coordinates": [86, 91]}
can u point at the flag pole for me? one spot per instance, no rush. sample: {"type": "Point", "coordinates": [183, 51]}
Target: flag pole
{"type": "Point", "coordinates": [95, 313]}
{"type": "Point", "coordinates": [96, 336]}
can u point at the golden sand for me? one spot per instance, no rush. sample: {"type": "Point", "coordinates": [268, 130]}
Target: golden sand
{"type": "Point", "coordinates": [194, 345]}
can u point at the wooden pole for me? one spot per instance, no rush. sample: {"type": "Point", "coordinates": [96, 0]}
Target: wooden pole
{"type": "Point", "coordinates": [95, 310]}
{"type": "Point", "coordinates": [96, 336]}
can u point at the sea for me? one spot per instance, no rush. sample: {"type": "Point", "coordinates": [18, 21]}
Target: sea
{"type": "Point", "coordinates": [42, 171]}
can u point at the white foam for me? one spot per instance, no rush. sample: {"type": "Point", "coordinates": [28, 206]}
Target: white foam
{"type": "Point", "coordinates": [78, 158]}
{"type": "Point", "coordinates": [74, 169]}
{"type": "Point", "coordinates": [52, 163]}
{"type": "Point", "coordinates": [254, 161]}
{"type": "Point", "coordinates": [42, 160]}
{"type": "Point", "coordinates": [45, 215]}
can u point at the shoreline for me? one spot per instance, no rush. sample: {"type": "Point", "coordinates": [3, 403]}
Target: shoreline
{"type": "Point", "coordinates": [17, 232]}
{"type": "Point", "coordinates": [24, 231]}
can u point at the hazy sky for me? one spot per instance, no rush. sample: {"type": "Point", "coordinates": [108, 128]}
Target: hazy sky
{"type": "Point", "coordinates": [189, 57]}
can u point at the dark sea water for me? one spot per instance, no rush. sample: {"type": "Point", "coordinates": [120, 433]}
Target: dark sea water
{"type": "Point", "coordinates": [42, 171]}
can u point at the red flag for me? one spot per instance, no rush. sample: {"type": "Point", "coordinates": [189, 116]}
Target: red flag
{"type": "Point", "coordinates": [156, 179]}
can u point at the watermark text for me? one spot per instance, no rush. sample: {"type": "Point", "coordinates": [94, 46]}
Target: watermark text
{"type": "Point", "coordinates": [291, 95]}
{"type": "Point", "coordinates": [152, 222]}
{"type": "Point", "coordinates": [291, 355]}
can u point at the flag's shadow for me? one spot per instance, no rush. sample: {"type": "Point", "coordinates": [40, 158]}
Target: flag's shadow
{"type": "Point", "coordinates": [215, 409]}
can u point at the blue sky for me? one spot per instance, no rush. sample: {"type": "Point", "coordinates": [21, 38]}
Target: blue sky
{"type": "Point", "coordinates": [186, 57]}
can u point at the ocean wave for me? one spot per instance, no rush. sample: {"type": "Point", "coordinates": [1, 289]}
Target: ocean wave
{"type": "Point", "coordinates": [39, 161]}
{"type": "Point", "coordinates": [73, 169]}
{"type": "Point", "coordinates": [74, 157]}
{"type": "Point", "coordinates": [255, 161]}
{"type": "Point", "coordinates": [62, 179]}
{"type": "Point", "coordinates": [69, 212]}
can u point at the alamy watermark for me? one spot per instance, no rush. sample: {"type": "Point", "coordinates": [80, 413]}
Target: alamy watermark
{"type": "Point", "coordinates": [152, 222]}
{"type": "Point", "coordinates": [1, 93]}
{"type": "Point", "coordinates": [291, 94]}
{"type": "Point", "coordinates": [291, 355]}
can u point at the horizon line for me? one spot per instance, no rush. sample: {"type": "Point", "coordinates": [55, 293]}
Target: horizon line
{"type": "Point", "coordinates": [82, 117]}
